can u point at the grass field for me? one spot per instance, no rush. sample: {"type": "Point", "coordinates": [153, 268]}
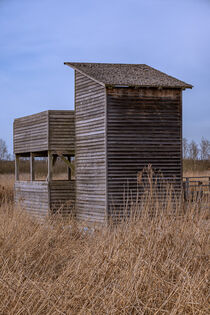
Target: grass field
{"type": "Point", "coordinates": [157, 265]}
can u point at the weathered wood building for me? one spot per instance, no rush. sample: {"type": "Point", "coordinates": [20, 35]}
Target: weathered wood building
{"type": "Point", "coordinates": [47, 134]}
{"type": "Point", "coordinates": [126, 117]}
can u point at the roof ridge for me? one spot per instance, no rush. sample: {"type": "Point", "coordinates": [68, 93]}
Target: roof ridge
{"type": "Point", "coordinates": [106, 63]}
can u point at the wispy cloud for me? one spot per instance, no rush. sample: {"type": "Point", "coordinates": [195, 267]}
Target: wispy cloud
{"type": "Point", "coordinates": [36, 37]}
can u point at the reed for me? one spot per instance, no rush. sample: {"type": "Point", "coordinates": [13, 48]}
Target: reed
{"type": "Point", "coordinates": [155, 264]}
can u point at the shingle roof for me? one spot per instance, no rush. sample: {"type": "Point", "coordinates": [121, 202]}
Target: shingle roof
{"type": "Point", "coordinates": [127, 75]}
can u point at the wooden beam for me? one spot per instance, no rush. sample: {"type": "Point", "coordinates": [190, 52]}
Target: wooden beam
{"type": "Point", "coordinates": [69, 164]}
{"type": "Point", "coordinates": [49, 177]}
{"type": "Point", "coordinates": [32, 173]}
{"type": "Point", "coordinates": [186, 186]}
{"type": "Point", "coordinates": [69, 169]}
{"type": "Point", "coordinates": [88, 76]}
{"type": "Point", "coordinates": [17, 163]}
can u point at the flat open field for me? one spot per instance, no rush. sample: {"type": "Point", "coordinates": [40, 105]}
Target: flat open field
{"type": "Point", "coordinates": [148, 265]}
{"type": "Point", "coordinates": [196, 173]}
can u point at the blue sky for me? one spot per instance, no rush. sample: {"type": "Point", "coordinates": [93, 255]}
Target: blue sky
{"type": "Point", "coordinates": [37, 36]}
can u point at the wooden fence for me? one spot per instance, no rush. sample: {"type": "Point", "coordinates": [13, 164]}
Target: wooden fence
{"type": "Point", "coordinates": [196, 187]}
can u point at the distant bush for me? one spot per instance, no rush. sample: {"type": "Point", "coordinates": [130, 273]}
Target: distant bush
{"type": "Point", "coordinates": [190, 165]}
{"type": "Point", "coordinates": [7, 167]}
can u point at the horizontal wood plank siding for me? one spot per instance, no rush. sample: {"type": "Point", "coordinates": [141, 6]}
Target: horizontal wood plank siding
{"type": "Point", "coordinates": [50, 130]}
{"type": "Point", "coordinates": [144, 127]}
{"type": "Point", "coordinates": [30, 133]}
{"type": "Point", "coordinates": [38, 197]}
{"type": "Point", "coordinates": [90, 149]}
{"type": "Point", "coordinates": [32, 197]}
{"type": "Point", "coordinates": [62, 197]}
{"type": "Point", "coordinates": [61, 130]}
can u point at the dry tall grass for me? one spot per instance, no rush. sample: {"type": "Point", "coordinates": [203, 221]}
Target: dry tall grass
{"type": "Point", "coordinates": [157, 265]}
{"type": "Point", "coordinates": [6, 188]}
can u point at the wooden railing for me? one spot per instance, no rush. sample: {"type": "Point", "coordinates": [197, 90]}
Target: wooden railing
{"type": "Point", "coordinates": [196, 187]}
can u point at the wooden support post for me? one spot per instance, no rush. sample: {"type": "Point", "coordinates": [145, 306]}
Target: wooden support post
{"type": "Point", "coordinates": [69, 169]}
{"type": "Point", "coordinates": [70, 165]}
{"type": "Point", "coordinates": [209, 183]}
{"type": "Point", "coordinates": [186, 189]}
{"type": "Point", "coordinates": [17, 163]}
{"type": "Point", "coordinates": [49, 166]}
{"type": "Point", "coordinates": [32, 173]}
{"type": "Point", "coordinates": [200, 191]}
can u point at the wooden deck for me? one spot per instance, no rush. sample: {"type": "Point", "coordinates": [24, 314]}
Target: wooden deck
{"type": "Point", "coordinates": [42, 198]}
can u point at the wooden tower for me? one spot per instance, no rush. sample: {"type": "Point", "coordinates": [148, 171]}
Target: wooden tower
{"type": "Point", "coordinates": [126, 117]}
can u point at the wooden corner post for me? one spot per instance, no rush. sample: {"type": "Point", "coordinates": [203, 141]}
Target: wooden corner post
{"type": "Point", "coordinates": [17, 162]}
{"type": "Point", "coordinates": [32, 173]}
{"type": "Point", "coordinates": [69, 169]}
{"type": "Point", "coordinates": [49, 166]}
{"type": "Point", "coordinates": [186, 189]}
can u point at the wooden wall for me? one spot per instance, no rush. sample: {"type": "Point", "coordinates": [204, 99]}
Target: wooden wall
{"type": "Point", "coordinates": [61, 130]}
{"type": "Point", "coordinates": [62, 196]}
{"type": "Point", "coordinates": [90, 149]}
{"type": "Point", "coordinates": [50, 130]}
{"type": "Point", "coordinates": [118, 131]}
{"type": "Point", "coordinates": [41, 198]}
{"type": "Point", "coordinates": [30, 133]}
{"type": "Point", "coordinates": [143, 126]}
{"type": "Point", "coordinates": [32, 197]}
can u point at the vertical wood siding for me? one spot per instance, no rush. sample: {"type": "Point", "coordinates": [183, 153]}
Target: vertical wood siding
{"type": "Point", "coordinates": [144, 127]}
{"type": "Point", "coordinates": [90, 149]}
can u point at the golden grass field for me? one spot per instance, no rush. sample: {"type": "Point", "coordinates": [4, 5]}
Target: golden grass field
{"type": "Point", "coordinates": [157, 265]}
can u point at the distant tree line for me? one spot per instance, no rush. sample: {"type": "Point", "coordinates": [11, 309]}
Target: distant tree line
{"type": "Point", "coordinates": [191, 150]}
{"type": "Point", "coordinates": [4, 154]}
{"type": "Point", "coordinates": [194, 151]}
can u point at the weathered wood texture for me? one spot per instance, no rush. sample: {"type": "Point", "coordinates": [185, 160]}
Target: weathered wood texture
{"type": "Point", "coordinates": [30, 133]}
{"type": "Point", "coordinates": [61, 130]}
{"type": "Point", "coordinates": [32, 197]}
{"type": "Point", "coordinates": [62, 197]}
{"type": "Point", "coordinates": [42, 198]}
{"type": "Point", "coordinates": [49, 130]}
{"type": "Point", "coordinates": [117, 132]}
{"type": "Point", "coordinates": [90, 148]}
{"type": "Point", "coordinates": [144, 126]}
